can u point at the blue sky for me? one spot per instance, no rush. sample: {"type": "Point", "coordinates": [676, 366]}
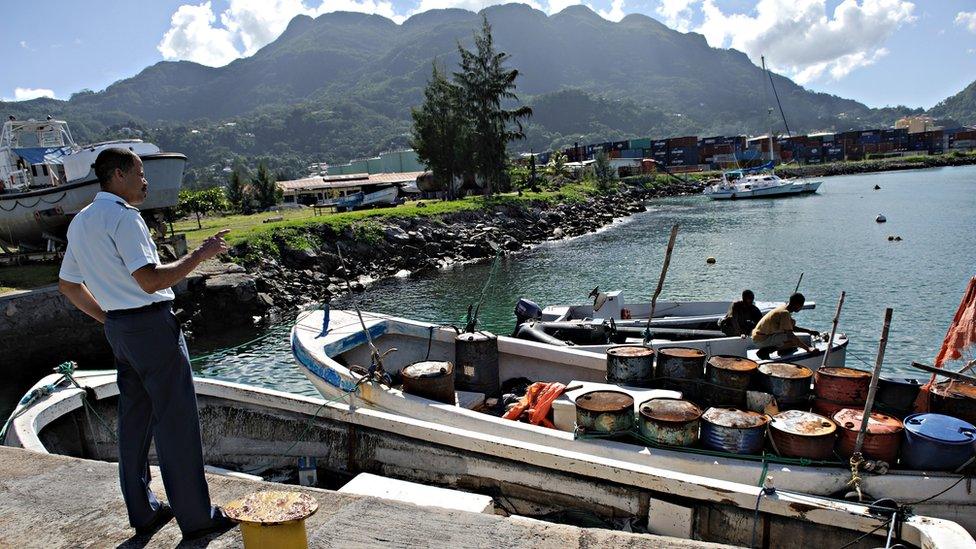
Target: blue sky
{"type": "Point", "coordinates": [880, 52]}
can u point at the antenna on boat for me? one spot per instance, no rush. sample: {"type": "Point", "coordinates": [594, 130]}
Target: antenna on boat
{"type": "Point", "coordinates": [797, 289]}
{"type": "Point", "coordinates": [660, 283]}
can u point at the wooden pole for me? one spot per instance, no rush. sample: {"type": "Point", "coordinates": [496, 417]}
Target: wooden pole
{"type": "Point", "coordinates": [869, 404]}
{"type": "Point", "coordinates": [660, 282]}
{"type": "Point", "coordinates": [797, 289]}
{"type": "Point", "coordinates": [833, 329]}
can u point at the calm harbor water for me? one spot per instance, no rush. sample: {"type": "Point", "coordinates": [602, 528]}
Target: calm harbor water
{"type": "Point", "coordinates": [831, 237]}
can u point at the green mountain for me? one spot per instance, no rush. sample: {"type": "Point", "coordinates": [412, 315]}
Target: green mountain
{"type": "Point", "coordinates": [960, 107]}
{"type": "Point", "coordinates": [342, 85]}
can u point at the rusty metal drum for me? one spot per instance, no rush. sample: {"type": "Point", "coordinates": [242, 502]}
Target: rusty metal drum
{"type": "Point", "coordinates": [733, 430]}
{"type": "Point", "coordinates": [881, 439]}
{"type": "Point", "coordinates": [728, 379]}
{"type": "Point", "coordinates": [431, 379]}
{"type": "Point", "coordinates": [630, 365]}
{"type": "Point", "coordinates": [670, 421]}
{"type": "Point", "coordinates": [680, 369]}
{"type": "Point", "coordinates": [476, 363]}
{"type": "Point", "coordinates": [789, 383]}
{"type": "Point", "coordinates": [605, 412]}
{"type": "Point", "coordinates": [799, 434]}
{"type": "Point", "coordinates": [842, 384]}
{"type": "Point", "coordinates": [956, 399]}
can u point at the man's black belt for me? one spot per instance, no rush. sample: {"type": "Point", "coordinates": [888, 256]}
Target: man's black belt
{"type": "Point", "coordinates": [155, 306]}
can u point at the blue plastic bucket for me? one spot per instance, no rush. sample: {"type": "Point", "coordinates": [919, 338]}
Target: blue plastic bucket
{"type": "Point", "coordinates": [934, 442]}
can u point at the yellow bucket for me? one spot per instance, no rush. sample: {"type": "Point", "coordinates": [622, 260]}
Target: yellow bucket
{"type": "Point", "coordinates": [273, 519]}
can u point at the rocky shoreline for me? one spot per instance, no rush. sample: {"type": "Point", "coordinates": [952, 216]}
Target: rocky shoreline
{"type": "Point", "coordinates": [262, 285]}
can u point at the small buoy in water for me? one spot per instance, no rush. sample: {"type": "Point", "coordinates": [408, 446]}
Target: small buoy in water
{"type": "Point", "coordinates": [897, 239]}
{"type": "Point", "coordinates": [710, 260]}
{"type": "Point", "coordinates": [891, 237]}
{"type": "Point", "coordinates": [877, 187]}
{"type": "Point", "coordinates": [881, 218]}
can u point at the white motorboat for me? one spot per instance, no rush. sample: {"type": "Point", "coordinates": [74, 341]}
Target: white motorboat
{"type": "Point", "coordinates": [610, 321]}
{"type": "Point", "coordinates": [253, 430]}
{"type": "Point", "coordinates": [695, 315]}
{"type": "Point", "coordinates": [45, 178]}
{"type": "Point", "coordinates": [758, 185]}
{"type": "Point", "coordinates": [329, 354]}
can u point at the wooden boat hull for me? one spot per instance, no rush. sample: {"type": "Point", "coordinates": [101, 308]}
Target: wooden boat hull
{"type": "Point", "coordinates": [266, 431]}
{"type": "Point", "coordinates": [323, 358]}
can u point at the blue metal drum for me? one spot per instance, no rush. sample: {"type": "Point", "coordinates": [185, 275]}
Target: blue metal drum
{"type": "Point", "coordinates": [934, 442]}
{"type": "Point", "coordinates": [732, 430]}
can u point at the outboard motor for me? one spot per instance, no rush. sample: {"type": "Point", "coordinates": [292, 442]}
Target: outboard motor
{"type": "Point", "coordinates": [525, 311]}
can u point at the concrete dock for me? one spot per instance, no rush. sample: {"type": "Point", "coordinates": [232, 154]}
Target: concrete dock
{"type": "Point", "coordinates": [57, 501]}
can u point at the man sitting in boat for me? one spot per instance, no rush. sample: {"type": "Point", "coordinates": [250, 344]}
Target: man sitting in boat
{"type": "Point", "coordinates": [775, 331]}
{"type": "Point", "coordinates": [742, 317]}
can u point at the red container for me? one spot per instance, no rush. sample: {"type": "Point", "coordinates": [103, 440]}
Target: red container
{"type": "Point", "coordinates": [842, 385]}
{"type": "Point", "coordinates": [828, 408]}
{"type": "Point", "coordinates": [801, 434]}
{"type": "Point", "coordinates": [881, 440]}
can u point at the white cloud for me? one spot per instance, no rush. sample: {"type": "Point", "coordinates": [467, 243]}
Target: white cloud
{"type": "Point", "coordinates": [801, 39]}
{"type": "Point", "coordinates": [967, 19]}
{"type": "Point", "coordinates": [615, 13]}
{"type": "Point", "coordinates": [23, 44]}
{"type": "Point", "coordinates": [677, 14]}
{"type": "Point", "coordinates": [193, 37]}
{"type": "Point", "coordinates": [23, 94]}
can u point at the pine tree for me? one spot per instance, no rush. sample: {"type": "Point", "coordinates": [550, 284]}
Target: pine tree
{"type": "Point", "coordinates": [266, 189]}
{"type": "Point", "coordinates": [237, 194]}
{"type": "Point", "coordinates": [440, 130]}
{"type": "Point", "coordinates": [485, 84]}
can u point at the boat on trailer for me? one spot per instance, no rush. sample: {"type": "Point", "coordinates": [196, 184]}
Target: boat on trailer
{"type": "Point", "coordinates": [330, 356]}
{"type": "Point", "coordinates": [265, 431]}
{"type": "Point", "coordinates": [610, 321]}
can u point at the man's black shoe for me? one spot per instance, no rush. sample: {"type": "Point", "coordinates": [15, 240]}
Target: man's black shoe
{"type": "Point", "coordinates": [764, 353]}
{"type": "Point", "coordinates": [220, 524]}
{"type": "Point", "coordinates": [163, 514]}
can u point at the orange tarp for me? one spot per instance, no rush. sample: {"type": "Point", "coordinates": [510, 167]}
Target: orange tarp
{"type": "Point", "coordinates": [962, 331]}
{"type": "Point", "coordinates": [961, 334]}
{"type": "Point", "coordinates": [535, 405]}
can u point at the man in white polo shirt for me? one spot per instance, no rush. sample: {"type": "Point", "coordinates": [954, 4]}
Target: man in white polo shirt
{"type": "Point", "coordinates": [112, 272]}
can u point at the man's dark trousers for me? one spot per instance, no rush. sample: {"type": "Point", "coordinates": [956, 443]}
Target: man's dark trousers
{"type": "Point", "coordinates": [157, 401]}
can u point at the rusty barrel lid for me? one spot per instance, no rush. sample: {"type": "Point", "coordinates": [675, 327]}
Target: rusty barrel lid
{"type": "Point", "coordinates": [671, 410]}
{"type": "Point", "coordinates": [955, 389]}
{"type": "Point", "coordinates": [733, 363]}
{"type": "Point", "coordinates": [785, 370]}
{"type": "Point", "coordinates": [605, 401]}
{"type": "Point", "coordinates": [271, 507]}
{"type": "Point", "coordinates": [681, 352]}
{"type": "Point", "coordinates": [630, 351]}
{"type": "Point", "coordinates": [735, 418]}
{"type": "Point", "coordinates": [844, 373]}
{"type": "Point", "coordinates": [427, 369]}
{"type": "Point", "coordinates": [807, 424]}
{"type": "Point", "coordinates": [850, 419]}
{"type": "Point", "coordinates": [475, 337]}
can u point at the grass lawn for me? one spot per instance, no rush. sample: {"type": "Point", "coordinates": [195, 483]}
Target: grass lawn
{"type": "Point", "coordinates": [248, 227]}
{"type": "Point", "coordinates": [25, 277]}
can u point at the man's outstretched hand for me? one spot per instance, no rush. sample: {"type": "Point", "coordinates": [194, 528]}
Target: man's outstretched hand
{"type": "Point", "coordinates": [213, 246]}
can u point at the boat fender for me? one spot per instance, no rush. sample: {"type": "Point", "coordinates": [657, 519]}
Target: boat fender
{"type": "Point", "coordinates": [881, 218]}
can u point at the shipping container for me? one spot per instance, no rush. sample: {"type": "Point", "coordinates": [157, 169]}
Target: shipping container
{"type": "Point", "coordinates": [621, 145]}
{"type": "Point", "coordinates": [643, 143]}
{"type": "Point", "coordinates": [687, 141]}
{"type": "Point", "coordinates": [632, 153]}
